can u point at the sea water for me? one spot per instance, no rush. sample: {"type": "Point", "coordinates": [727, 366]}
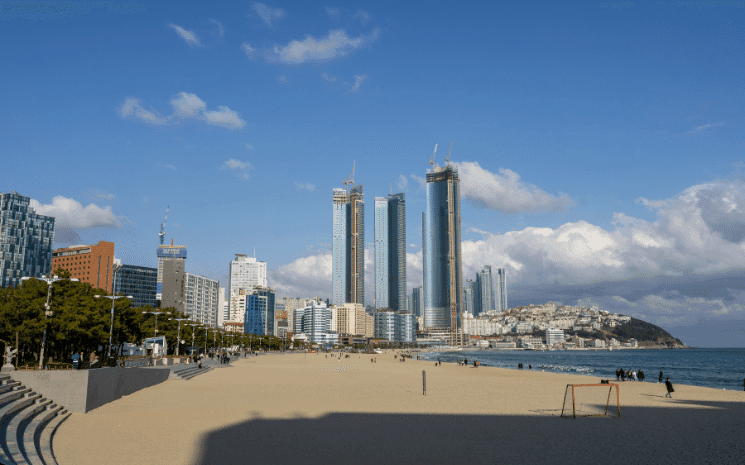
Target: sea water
{"type": "Point", "coordinates": [716, 368]}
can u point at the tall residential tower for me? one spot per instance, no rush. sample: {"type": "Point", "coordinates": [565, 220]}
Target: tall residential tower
{"type": "Point", "coordinates": [348, 246]}
{"type": "Point", "coordinates": [390, 252]}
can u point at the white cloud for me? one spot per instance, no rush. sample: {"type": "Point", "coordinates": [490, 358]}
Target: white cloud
{"type": "Point", "coordinates": [358, 80]}
{"type": "Point", "coordinates": [188, 36]}
{"type": "Point", "coordinates": [402, 183]}
{"type": "Point", "coordinates": [333, 12]}
{"type": "Point", "coordinates": [268, 14]}
{"type": "Point", "coordinates": [363, 16]}
{"type": "Point", "coordinates": [705, 127]}
{"type": "Point", "coordinates": [328, 77]}
{"type": "Point", "coordinates": [299, 186]}
{"type": "Point", "coordinates": [132, 107]}
{"type": "Point", "coordinates": [170, 167]}
{"type": "Point", "coordinates": [220, 27]}
{"type": "Point", "coordinates": [306, 277]}
{"type": "Point", "coordinates": [101, 195]}
{"type": "Point", "coordinates": [248, 50]}
{"type": "Point", "coordinates": [420, 180]}
{"type": "Point", "coordinates": [185, 106]}
{"type": "Point", "coordinates": [283, 79]}
{"type": "Point", "coordinates": [335, 45]}
{"type": "Point", "coordinates": [505, 191]}
{"type": "Point", "coordinates": [70, 213]}
{"type": "Point", "coordinates": [240, 168]}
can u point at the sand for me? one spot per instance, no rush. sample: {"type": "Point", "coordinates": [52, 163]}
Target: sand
{"type": "Point", "coordinates": [284, 409]}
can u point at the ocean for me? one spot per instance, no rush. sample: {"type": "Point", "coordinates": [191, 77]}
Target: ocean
{"type": "Point", "coordinates": [715, 368]}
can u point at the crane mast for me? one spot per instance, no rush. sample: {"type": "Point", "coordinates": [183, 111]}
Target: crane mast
{"type": "Point", "coordinates": [162, 233]}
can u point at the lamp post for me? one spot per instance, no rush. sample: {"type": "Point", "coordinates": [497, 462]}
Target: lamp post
{"type": "Point", "coordinates": [192, 335]}
{"type": "Point", "coordinates": [178, 339]}
{"type": "Point", "coordinates": [206, 331]}
{"type": "Point", "coordinates": [47, 308]}
{"type": "Point", "coordinates": [111, 326]}
{"type": "Point", "coordinates": [156, 319]}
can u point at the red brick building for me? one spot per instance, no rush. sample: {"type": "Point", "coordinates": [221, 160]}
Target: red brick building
{"type": "Point", "coordinates": [92, 264]}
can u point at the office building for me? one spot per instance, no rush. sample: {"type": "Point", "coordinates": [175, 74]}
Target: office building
{"type": "Point", "coordinates": [314, 321]}
{"type": "Point", "coordinates": [395, 326]}
{"type": "Point", "coordinates": [353, 320]}
{"type": "Point", "coordinates": [468, 297]}
{"type": "Point", "coordinates": [259, 317]}
{"type": "Point", "coordinates": [348, 246]}
{"type": "Point", "coordinates": [92, 264]}
{"type": "Point", "coordinates": [390, 252]}
{"type": "Point", "coordinates": [554, 336]}
{"type": "Point", "coordinates": [501, 290]}
{"type": "Point", "coordinates": [138, 281]}
{"type": "Point", "coordinates": [246, 272]}
{"type": "Point", "coordinates": [483, 294]}
{"type": "Point", "coordinates": [26, 240]}
{"type": "Point", "coordinates": [202, 299]}
{"type": "Point", "coordinates": [168, 253]}
{"type": "Point", "coordinates": [441, 255]}
{"type": "Point", "coordinates": [173, 285]}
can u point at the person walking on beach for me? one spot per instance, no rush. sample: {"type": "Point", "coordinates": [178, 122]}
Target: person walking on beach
{"type": "Point", "coordinates": [641, 375]}
{"type": "Point", "coordinates": [75, 361]}
{"type": "Point", "coordinates": [660, 380]}
{"type": "Point", "coordinates": [669, 387]}
{"type": "Point", "coordinates": [618, 374]}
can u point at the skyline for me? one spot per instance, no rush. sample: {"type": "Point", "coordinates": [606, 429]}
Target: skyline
{"type": "Point", "coordinates": [599, 145]}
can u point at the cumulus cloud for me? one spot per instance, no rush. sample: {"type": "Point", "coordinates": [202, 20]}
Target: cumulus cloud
{"type": "Point", "coordinates": [185, 106]}
{"type": "Point", "coordinates": [188, 36]}
{"type": "Point", "coordinates": [358, 80]}
{"type": "Point", "coordinates": [240, 168]}
{"type": "Point", "coordinates": [505, 191]}
{"type": "Point", "coordinates": [300, 186]}
{"type": "Point", "coordinates": [304, 277]}
{"type": "Point", "coordinates": [335, 45]}
{"type": "Point", "coordinates": [132, 107]}
{"type": "Point", "coordinates": [267, 13]}
{"type": "Point", "coordinates": [69, 213]}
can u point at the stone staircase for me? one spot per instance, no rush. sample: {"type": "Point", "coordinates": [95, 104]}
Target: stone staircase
{"type": "Point", "coordinates": [27, 424]}
{"type": "Point", "coordinates": [189, 371]}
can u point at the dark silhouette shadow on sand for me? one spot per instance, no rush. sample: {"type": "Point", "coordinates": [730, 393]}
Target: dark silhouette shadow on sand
{"type": "Point", "coordinates": [690, 432]}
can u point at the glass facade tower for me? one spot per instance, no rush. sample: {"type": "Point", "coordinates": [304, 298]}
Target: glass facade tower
{"type": "Point", "coordinates": [26, 240]}
{"type": "Point", "coordinates": [348, 246]}
{"type": "Point", "coordinates": [441, 247]}
{"type": "Point", "coordinates": [390, 252]}
{"type": "Point", "coordinates": [139, 282]}
{"type": "Point", "coordinates": [259, 317]}
{"type": "Point", "coordinates": [501, 291]}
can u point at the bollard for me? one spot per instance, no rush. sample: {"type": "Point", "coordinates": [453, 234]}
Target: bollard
{"type": "Point", "coordinates": [424, 383]}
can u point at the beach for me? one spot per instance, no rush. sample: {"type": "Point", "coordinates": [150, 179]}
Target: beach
{"type": "Point", "coordinates": [314, 408]}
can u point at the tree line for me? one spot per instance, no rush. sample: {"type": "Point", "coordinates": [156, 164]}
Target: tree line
{"type": "Point", "coordinates": [80, 323]}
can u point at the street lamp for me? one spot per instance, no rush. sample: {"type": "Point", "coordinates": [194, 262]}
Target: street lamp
{"type": "Point", "coordinates": [192, 335]}
{"type": "Point", "coordinates": [178, 339]}
{"type": "Point", "coordinates": [111, 327]}
{"type": "Point", "coordinates": [156, 319]}
{"type": "Point", "coordinates": [47, 308]}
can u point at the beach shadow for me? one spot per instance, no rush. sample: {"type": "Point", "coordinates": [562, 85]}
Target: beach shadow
{"type": "Point", "coordinates": [641, 435]}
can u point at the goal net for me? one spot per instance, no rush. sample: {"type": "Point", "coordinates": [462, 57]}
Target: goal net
{"type": "Point", "coordinates": [591, 400]}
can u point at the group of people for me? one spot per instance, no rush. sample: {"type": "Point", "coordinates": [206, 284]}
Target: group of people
{"type": "Point", "coordinates": [78, 360]}
{"type": "Point", "coordinates": [631, 375]}
{"type": "Point", "coordinates": [520, 366]}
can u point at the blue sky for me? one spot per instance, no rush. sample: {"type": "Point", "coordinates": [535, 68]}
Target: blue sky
{"type": "Point", "coordinates": [599, 144]}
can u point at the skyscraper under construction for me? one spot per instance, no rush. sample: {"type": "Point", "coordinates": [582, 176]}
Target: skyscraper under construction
{"type": "Point", "coordinates": [348, 245]}
{"type": "Point", "coordinates": [441, 250]}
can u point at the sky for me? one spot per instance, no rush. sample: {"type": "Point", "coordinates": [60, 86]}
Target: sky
{"type": "Point", "coordinates": [600, 145]}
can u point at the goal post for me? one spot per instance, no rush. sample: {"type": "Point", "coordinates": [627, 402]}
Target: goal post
{"type": "Point", "coordinates": [591, 400]}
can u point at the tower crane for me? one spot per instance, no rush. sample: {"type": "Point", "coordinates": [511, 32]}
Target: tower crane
{"type": "Point", "coordinates": [432, 160]}
{"type": "Point", "coordinates": [447, 160]}
{"type": "Point", "coordinates": [162, 233]}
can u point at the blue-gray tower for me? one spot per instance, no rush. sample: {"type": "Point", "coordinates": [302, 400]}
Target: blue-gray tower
{"type": "Point", "coordinates": [441, 250]}
{"type": "Point", "coordinates": [390, 252]}
{"type": "Point", "coordinates": [348, 247]}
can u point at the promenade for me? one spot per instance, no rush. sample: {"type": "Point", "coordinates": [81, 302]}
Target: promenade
{"type": "Point", "coordinates": [297, 409]}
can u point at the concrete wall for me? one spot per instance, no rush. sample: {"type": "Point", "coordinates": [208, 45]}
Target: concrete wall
{"type": "Point", "coordinates": [84, 390]}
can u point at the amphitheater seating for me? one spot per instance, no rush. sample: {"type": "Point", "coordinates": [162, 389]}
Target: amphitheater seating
{"type": "Point", "coordinates": [27, 424]}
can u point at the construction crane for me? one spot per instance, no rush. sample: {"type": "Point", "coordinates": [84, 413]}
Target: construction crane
{"type": "Point", "coordinates": [447, 160]}
{"type": "Point", "coordinates": [351, 177]}
{"type": "Point", "coordinates": [162, 233]}
{"type": "Point", "coordinates": [432, 161]}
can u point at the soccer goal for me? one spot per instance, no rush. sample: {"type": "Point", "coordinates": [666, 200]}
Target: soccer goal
{"type": "Point", "coordinates": [591, 400]}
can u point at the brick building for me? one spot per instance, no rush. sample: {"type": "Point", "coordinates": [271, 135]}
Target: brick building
{"type": "Point", "coordinates": [92, 264]}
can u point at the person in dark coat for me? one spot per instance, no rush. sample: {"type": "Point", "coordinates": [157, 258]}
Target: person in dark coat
{"type": "Point", "coordinates": [641, 375]}
{"type": "Point", "coordinates": [618, 375]}
{"type": "Point", "coordinates": [660, 380]}
{"type": "Point", "coordinates": [669, 387]}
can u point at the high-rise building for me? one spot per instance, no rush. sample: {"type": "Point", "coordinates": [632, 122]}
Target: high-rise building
{"type": "Point", "coordinates": [222, 317]}
{"type": "Point", "coordinates": [202, 299]}
{"type": "Point", "coordinates": [168, 253]}
{"type": "Point", "coordinates": [259, 318]}
{"type": "Point", "coordinates": [441, 250]}
{"type": "Point", "coordinates": [138, 281]}
{"type": "Point", "coordinates": [92, 264]}
{"type": "Point", "coordinates": [314, 321]}
{"type": "Point", "coordinates": [173, 285]}
{"type": "Point", "coordinates": [415, 306]}
{"type": "Point", "coordinates": [501, 290]}
{"type": "Point", "coordinates": [468, 297]}
{"type": "Point", "coordinates": [395, 326]}
{"type": "Point", "coordinates": [246, 272]}
{"type": "Point", "coordinates": [483, 292]}
{"type": "Point", "coordinates": [26, 240]}
{"type": "Point", "coordinates": [390, 252]}
{"type": "Point", "coordinates": [348, 246]}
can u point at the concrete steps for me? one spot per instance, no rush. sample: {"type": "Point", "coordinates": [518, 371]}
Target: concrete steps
{"type": "Point", "coordinates": [189, 373]}
{"type": "Point", "coordinates": [27, 425]}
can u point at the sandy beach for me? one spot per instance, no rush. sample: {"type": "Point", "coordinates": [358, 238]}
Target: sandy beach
{"type": "Point", "coordinates": [307, 408]}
